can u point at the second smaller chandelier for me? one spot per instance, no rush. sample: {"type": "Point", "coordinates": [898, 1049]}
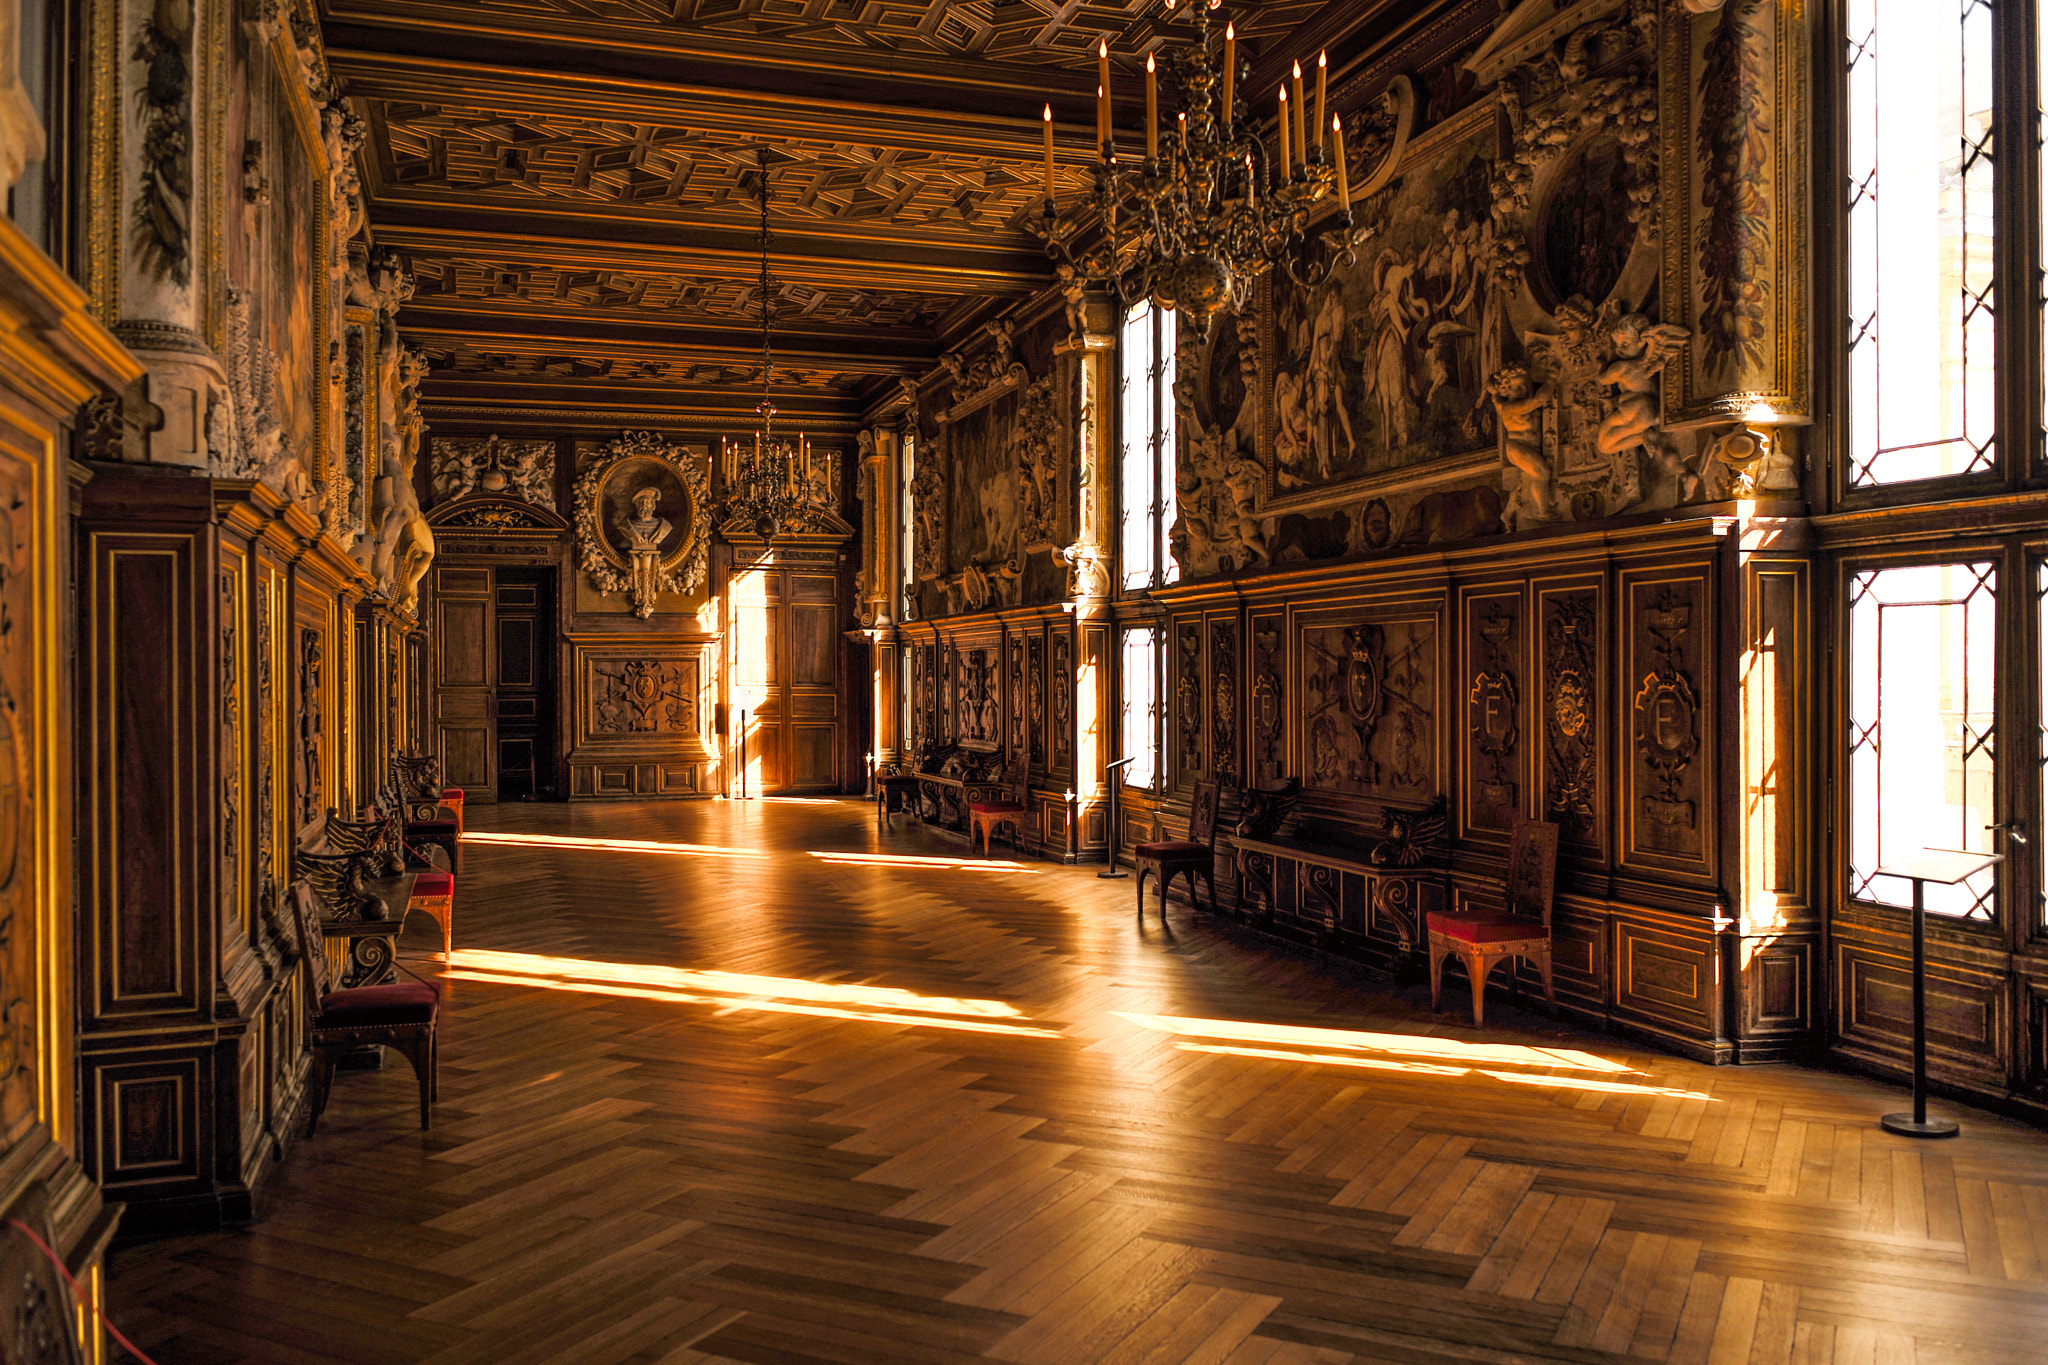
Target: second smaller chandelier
{"type": "Point", "coordinates": [1208, 209]}
{"type": "Point", "coordinates": [769, 486]}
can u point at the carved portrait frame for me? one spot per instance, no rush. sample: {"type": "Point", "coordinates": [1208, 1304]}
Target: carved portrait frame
{"type": "Point", "coordinates": [684, 569]}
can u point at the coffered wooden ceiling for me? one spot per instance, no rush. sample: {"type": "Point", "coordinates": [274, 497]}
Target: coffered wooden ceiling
{"type": "Point", "coordinates": [572, 182]}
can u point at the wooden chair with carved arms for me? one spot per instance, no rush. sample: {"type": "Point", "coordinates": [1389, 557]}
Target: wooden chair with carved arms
{"type": "Point", "coordinates": [419, 777]}
{"type": "Point", "coordinates": [1007, 803]}
{"type": "Point", "coordinates": [1195, 855]}
{"type": "Point", "coordinates": [400, 1015]}
{"type": "Point", "coordinates": [1481, 938]}
{"type": "Point", "coordinates": [424, 813]}
{"type": "Point", "coordinates": [433, 884]}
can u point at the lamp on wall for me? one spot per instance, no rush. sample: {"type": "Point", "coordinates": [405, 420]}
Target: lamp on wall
{"type": "Point", "coordinates": [768, 487]}
{"type": "Point", "coordinates": [1206, 210]}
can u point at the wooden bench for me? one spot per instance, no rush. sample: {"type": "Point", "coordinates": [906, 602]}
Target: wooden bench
{"type": "Point", "coordinates": [1337, 895]}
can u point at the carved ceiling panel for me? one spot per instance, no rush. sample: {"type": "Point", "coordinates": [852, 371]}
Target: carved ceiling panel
{"type": "Point", "coordinates": [458, 357]}
{"type": "Point", "coordinates": [534, 157]}
{"type": "Point", "coordinates": [670, 296]}
{"type": "Point", "coordinates": [1016, 32]}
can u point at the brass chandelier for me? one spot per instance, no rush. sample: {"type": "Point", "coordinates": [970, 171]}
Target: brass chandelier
{"type": "Point", "coordinates": [767, 487]}
{"type": "Point", "coordinates": [1208, 209]}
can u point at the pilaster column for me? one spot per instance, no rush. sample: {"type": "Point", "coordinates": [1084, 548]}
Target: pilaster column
{"type": "Point", "coordinates": [155, 181]}
{"type": "Point", "coordinates": [1734, 119]}
{"type": "Point", "coordinates": [879, 574]}
{"type": "Point", "coordinates": [1087, 357]}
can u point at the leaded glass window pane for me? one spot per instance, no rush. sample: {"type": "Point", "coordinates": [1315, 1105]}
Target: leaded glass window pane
{"type": "Point", "coordinates": [1141, 707]}
{"type": "Point", "coordinates": [1135, 433]}
{"type": "Point", "coordinates": [1922, 308]}
{"type": "Point", "coordinates": [1923, 659]}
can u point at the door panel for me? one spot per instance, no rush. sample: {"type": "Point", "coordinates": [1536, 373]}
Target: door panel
{"type": "Point", "coordinates": [785, 647]}
{"type": "Point", "coordinates": [463, 724]}
{"type": "Point", "coordinates": [525, 706]}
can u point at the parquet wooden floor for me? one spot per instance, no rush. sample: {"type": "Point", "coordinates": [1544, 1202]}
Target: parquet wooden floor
{"type": "Point", "coordinates": [755, 1092]}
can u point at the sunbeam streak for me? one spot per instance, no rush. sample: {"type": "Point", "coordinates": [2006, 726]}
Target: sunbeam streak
{"type": "Point", "coordinates": [741, 991]}
{"type": "Point", "coordinates": [617, 845]}
{"type": "Point", "coordinates": [1449, 1049]}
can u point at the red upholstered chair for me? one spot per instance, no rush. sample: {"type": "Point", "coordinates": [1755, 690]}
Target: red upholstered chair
{"type": "Point", "coordinates": [1007, 805]}
{"type": "Point", "coordinates": [1480, 938]}
{"type": "Point", "coordinates": [400, 1015]}
{"type": "Point", "coordinates": [1196, 854]}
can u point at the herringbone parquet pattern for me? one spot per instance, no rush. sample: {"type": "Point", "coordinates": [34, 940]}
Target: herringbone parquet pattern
{"type": "Point", "coordinates": [755, 1092]}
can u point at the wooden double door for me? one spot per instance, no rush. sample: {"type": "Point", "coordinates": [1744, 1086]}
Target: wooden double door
{"type": "Point", "coordinates": [783, 648]}
{"type": "Point", "coordinates": [494, 675]}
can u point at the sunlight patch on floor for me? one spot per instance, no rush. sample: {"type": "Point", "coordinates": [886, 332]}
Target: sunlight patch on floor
{"type": "Point", "coordinates": [617, 845]}
{"type": "Point", "coordinates": [915, 864]}
{"type": "Point", "coordinates": [1449, 1049]}
{"type": "Point", "coordinates": [729, 991]}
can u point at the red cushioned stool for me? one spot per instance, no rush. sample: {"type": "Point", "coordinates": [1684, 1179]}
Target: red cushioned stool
{"type": "Point", "coordinates": [1481, 938]}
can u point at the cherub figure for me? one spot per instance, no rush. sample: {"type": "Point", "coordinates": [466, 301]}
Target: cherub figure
{"type": "Point", "coordinates": [1519, 401]}
{"type": "Point", "coordinates": [1641, 351]}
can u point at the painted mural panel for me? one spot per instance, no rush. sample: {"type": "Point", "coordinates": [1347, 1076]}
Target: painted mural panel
{"type": "Point", "coordinates": [1383, 367]}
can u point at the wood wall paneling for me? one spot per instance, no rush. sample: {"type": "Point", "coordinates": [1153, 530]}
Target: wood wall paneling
{"type": "Point", "coordinates": [1570, 743]}
{"type": "Point", "coordinates": [1668, 793]}
{"type": "Point", "coordinates": [1493, 748]}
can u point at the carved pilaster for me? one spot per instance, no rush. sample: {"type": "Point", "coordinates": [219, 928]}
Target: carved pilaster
{"type": "Point", "coordinates": [1086, 357]}
{"type": "Point", "coordinates": [1735, 98]}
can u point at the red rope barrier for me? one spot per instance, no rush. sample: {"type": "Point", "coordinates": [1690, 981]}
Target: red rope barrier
{"type": "Point", "coordinates": [79, 1289]}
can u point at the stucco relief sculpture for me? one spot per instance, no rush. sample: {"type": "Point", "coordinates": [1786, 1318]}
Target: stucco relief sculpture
{"type": "Point", "coordinates": [1034, 438]}
{"type": "Point", "coordinates": [494, 466]}
{"type": "Point", "coordinates": [1580, 424]}
{"type": "Point", "coordinates": [642, 520]}
{"type": "Point", "coordinates": [1218, 480]}
{"type": "Point", "coordinates": [928, 511]}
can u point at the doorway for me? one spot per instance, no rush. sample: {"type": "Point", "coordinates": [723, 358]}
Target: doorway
{"type": "Point", "coordinates": [784, 647]}
{"type": "Point", "coordinates": [494, 676]}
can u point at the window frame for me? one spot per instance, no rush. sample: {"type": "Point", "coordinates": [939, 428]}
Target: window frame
{"type": "Point", "coordinates": [2008, 757]}
{"type": "Point", "coordinates": [1160, 447]}
{"type": "Point", "coordinates": [2019, 271]}
{"type": "Point", "coordinates": [1156, 632]}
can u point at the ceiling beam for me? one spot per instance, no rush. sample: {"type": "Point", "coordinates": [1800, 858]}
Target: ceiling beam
{"type": "Point", "coordinates": [878, 352]}
{"type": "Point", "coordinates": [456, 227]}
{"type": "Point", "coordinates": [882, 119]}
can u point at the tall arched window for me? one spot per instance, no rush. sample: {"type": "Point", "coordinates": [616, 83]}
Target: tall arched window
{"type": "Point", "coordinates": [1923, 215]}
{"type": "Point", "coordinates": [1145, 453]}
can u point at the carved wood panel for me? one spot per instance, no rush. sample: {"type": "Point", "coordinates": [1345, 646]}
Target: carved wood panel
{"type": "Point", "coordinates": [1035, 710]}
{"type": "Point", "coordinates": [1495, 727]}
{"type": "Point", "coordinates": [1569, 714]}
{"type": "Point", "coordinates": [1061, 686]}
{"type": "Point", "coordinates": [1223, 699]}
{"type": "Point", "coordinates": [1013, 697]}
{"type": "Point", "coordinates": [1668, 720]}
{"type": "Point", "coordinates": [1368, 711]}
{"type": "Point", "coordinates": [1269, 699]}
{"type": "Point", "coordinates": [1188, 765]}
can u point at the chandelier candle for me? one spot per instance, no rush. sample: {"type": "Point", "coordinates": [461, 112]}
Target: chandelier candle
{"type": "Point", "coordinates": [1286, 161]}
{"type": "Point", "coordinates": [1048, 153]}
{"type": "Point", "coordinates": [1300, 117]}
{"type": "Point", "coordinates": [1343, 172]}
{"type": "Point", "coordinates": [1229, 75]}
{"type": "Point", "coordinates": [1322, 89]}
{"type": "Point", "coordinates": [1151, 108]}
{"type": "Point", "coordinates": [1193, 223]}
{"type": "Point", "coordinates": [1102, 95]}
